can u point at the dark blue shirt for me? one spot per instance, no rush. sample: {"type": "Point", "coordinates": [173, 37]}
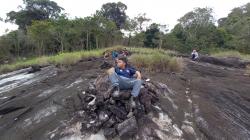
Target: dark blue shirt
{"type": "Point", "coordinates": [127, 72]}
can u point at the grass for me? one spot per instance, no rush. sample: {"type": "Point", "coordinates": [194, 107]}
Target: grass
{"type": "Point", "coordinates": [65, 59]}
{"type": "Point", "coordinates": [231, 54]}
{"type": "Point", "coordinates": [150, 59]}
{"type": "Point", "coordinates": [150, 51]}
{"type": "Point", "coordinates": [153, 60]}
{"type": "Point", "coordinates": [156, 61]}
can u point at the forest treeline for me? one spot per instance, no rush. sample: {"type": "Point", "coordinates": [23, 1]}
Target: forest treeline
{"type": "Point", "coordinates": [44, 29]}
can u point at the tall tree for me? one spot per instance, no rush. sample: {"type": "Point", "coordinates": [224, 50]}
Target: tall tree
{"type": "Point", "coordinates": [140, 20]}
{"type": "Point", "coordinates": [152, 36]}
{"type": "Point", "coordinates": [59, 31]}
{"type": "Point", "coordinates": [237, 25]}
{"type": "Point", "coordinates": [40, 33]}
{"type": "Point", "coordinates": [197, 29]}
{"type": "Point", "coordinates": [115, 12]}
{"type": "Point", "coordinates": [34, 10]}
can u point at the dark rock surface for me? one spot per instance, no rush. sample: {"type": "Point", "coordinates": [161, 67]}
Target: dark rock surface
{"type": "Point", "coordinates": [204, 101]}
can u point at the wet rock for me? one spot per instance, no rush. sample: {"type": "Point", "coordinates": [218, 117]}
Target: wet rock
{"type": "Point", "coordinates": [103, 116]}
{"type": "Point", "coordinates": [228, 62]}
{"type": "Point", "coordinates": [6, 99]}
{"type": "Point", "coordinates": [35, 68]}
{"type": "Point", "coordinates": [128, 127]}
{"type": "Point", "coordinates": [111, 122]}
{"type": "Point", "coordinates": [92, 59]}
{"type": "Point", "coordinates": [91, 123]}
{"type": "Point", "coordinates": [69, 104]}
{"type": "Point", "coordinates": [123, 95]}
{"type": "Point", "coordinates": [89, 98]}
{"type": "Point", "coordinates": [111, 101]}
{"type": "Point", "coordinates": [99, 100]}
{"type": "Point", "coordinates": [120, 113]}
{"type": "Point", "coordinates": [139, 110]}
{"type": "Point", "coordinates": [109, 132]}
{"type": "Point", "coordinates": [106, 65]}
{"type": "Point", "coordinates": [9, 110]}
{"type": "Point", "coordinates": [145, 99]}
{"type": "Point", "coordinates": [115, 111]}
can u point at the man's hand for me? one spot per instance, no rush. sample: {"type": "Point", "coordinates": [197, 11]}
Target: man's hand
{"type": "Point", "coordinates": [138, 75]}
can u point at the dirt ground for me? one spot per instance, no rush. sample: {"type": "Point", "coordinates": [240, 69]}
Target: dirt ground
{"type": "Point", "coordinates": [205, 101]}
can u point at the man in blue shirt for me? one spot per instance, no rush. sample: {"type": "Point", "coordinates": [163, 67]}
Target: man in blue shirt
{"type": "Point", "coordinates": [125, 77]}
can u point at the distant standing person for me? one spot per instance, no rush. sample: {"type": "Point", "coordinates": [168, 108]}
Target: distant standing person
{"type": "Point", "coordinates": [194, 55]}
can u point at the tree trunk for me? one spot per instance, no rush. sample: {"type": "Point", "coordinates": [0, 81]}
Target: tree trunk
{"type": "Point", "coordinates": [82, 44]}
{"type": "Point", "coordinates": [87, 40]}
{"type": "Point", "coordinates": [18, 48]}
{"type": "Point", "coordinates": [62, 46]}
{"type": "Point", "coordinates": [129, 38]}
{"type": "Point", "coordinates": [96, 41]}
{"type": "Point", "coordinates": [42, 48]}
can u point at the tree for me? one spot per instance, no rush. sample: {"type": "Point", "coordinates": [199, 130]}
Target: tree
{"type": "Point", "coordinates": [140, 20]}
{"type": "Point", "coordinates": [138, 39]}
{"type": "Point", "coordinates": [40, 33]}
{"type": "Point", "coordinates": [152, 36]}
{"type": "Point", "coordinates": [59, 31]}
{"type": "Point", "coordinates": [237, 25]}
{"type": "Point", "coordinates": [115, 12]}
{"type": "Point", "coordinates": [197, 29]}
{"type": "Point", "coordinates": [193, 21]}
{"type": "Point", "coordinates": [34, 10]}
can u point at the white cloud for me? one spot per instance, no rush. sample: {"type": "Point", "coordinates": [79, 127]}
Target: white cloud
{"type": "Point", "coordinates": [160, 11]}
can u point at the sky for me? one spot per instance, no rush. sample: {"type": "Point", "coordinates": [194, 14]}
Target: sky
{"type": "Point", "coordinates": [165, 12]}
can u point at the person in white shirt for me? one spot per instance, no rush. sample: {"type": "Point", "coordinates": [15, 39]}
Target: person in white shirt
{"type": "Point", "coordinates": [194, 55]}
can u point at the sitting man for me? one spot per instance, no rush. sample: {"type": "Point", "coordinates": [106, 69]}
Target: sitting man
{"type": "Point", "coordinates": [125, 77]}
{"type": "Point", "coordinates": [194, 55]}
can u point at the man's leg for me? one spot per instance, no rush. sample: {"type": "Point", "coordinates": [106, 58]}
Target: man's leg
{"type": "Point", "coordinates": [193, 57]}
{"type": "Point", "coordinates": [136, 87]}
{"type": "Point", "coordinates": [113, 77]}
{"type": "Point", "coordinates": [130, 83]}
{"type": "Point", "coordinates": [122, 82]}
{"type": "Point", "coordinates": [114, 89]}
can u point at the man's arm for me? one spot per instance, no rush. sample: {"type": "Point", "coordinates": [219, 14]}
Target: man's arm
{"type": "Point", "coordinates": [138, 75]}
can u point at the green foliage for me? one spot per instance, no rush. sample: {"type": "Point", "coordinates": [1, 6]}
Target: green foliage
{"type": "Point", "coordinates": [137, 39]}
{"type": "Point", "coordinates": [34, 10]}
{"type": "Point", "coordinates": [196, 30]}
{"type": "Point", "coordinates": [237, 24]}
{"type": "Point", "coordinates": [62, 59]}
{"type": "Point", "coordinates": [39, 32]}
{"type": "Point", "coordinates": [139, 21]}
{"type": "Point", "coordinates": [63, 35]}
{"type": "Point", "coordinates": [115, 12]}
{"type": "Point", "coordinates": [152, 36]}
{"type": "Point", "coordinates": [43, 30]}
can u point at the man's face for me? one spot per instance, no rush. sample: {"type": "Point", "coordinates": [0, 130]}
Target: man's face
{"type": "Point", "coordinates": [121, 64]}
